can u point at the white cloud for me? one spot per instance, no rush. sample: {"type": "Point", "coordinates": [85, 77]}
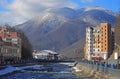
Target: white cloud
{"type": "Point", "coordinates": [22, 10]}
{"type": "Point", "coordinates": [87, 0]}
{"type": "Point", "coordinates": [11, 18]}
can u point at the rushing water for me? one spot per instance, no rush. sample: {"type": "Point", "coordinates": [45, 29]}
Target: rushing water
{"type": "Point", "coordinates": [58, 71]}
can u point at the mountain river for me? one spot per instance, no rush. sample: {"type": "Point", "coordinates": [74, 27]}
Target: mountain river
{"type": "Point", "coordinates": [51, 71]}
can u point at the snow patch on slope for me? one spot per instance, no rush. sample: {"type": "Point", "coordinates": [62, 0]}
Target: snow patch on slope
{"type": "Point", "coordinates": [94, 8]}
{"type": "Point", "coordinates": [99, 8]}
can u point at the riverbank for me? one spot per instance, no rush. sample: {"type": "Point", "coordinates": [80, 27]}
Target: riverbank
{"type": "Point", "coordinates": [11, 69]}
{"type": "Point", "coordinates": [85, 72]}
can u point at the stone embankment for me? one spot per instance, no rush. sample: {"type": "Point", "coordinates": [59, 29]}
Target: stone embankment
{"type": "Point", "coordinates": [84, 72]}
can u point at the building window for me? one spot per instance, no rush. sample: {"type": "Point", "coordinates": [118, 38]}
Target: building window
{"type": "Point", "coordinates": [98, 36]}
{"type": "Point", "coordinates": [0, 50]}
{"type": "Point", "coordinates": [6, 50]}
{"type": "Point", "coordinates": [101, 38]}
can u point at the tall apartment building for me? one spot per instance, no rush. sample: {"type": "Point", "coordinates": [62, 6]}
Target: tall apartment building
{"type": "Point", "coordinates": [106, 39]}
{"type": "Point", "coordinates": [99, 42]}
{"type": "Point", "coordinates": [89, 42]}
{"type": "Point", "coordinates": [96, 41]}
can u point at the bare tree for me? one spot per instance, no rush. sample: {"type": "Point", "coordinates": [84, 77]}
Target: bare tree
{"type": "Point", "coordinates": [117, 30]}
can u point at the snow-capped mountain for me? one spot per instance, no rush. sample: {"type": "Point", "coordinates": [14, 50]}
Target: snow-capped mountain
{"type": "Point", "coordinates": [96, 15]}
{"type": "Point", "coordinates": [66, 12]}
{"type": "Point", "coordinates": [86, 9]}
{"type": "Point", "coordinates": [62, 27]}
{"type": "Point", "coordinates": [46, 21]}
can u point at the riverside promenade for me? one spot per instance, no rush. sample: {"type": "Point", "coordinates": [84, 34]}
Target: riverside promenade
{"type": "Point", "coordinates": [95, 71]}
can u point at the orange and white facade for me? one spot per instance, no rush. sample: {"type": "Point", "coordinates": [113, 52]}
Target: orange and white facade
{"type": "Point", "coordinates": [99, 41]}
{"type": "Point", "coordinates": [106, 39]}
{"type": "Point", "coordinates": [7, 36]}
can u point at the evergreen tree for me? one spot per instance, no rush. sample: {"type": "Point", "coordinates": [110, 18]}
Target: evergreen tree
{"type": "Point", "coordinates": [26, 47]}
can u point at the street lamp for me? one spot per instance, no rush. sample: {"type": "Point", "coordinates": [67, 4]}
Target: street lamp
{"type": "Point", "coordinates": [116, 56]}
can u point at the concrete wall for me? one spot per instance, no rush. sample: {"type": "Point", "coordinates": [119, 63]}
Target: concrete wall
{"type": "Point", "coordinates": [99, 71]}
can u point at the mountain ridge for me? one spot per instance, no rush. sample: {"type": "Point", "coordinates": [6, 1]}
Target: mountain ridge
{"type": "Point", "coordinates": [64, 26]}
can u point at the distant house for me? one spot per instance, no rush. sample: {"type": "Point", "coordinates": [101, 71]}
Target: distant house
{"type": "Point", "coordinates": [62, 57]}
{"type": "Point", "coordinates": [45, 54]}
{"type": "Point", "coordinates": [10, 45]}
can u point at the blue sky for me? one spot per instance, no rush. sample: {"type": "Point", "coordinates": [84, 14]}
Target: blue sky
{"type": "Point", "coordinates": [18, 11]}
{"type": "Point", "coordinates": [108, 4]}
